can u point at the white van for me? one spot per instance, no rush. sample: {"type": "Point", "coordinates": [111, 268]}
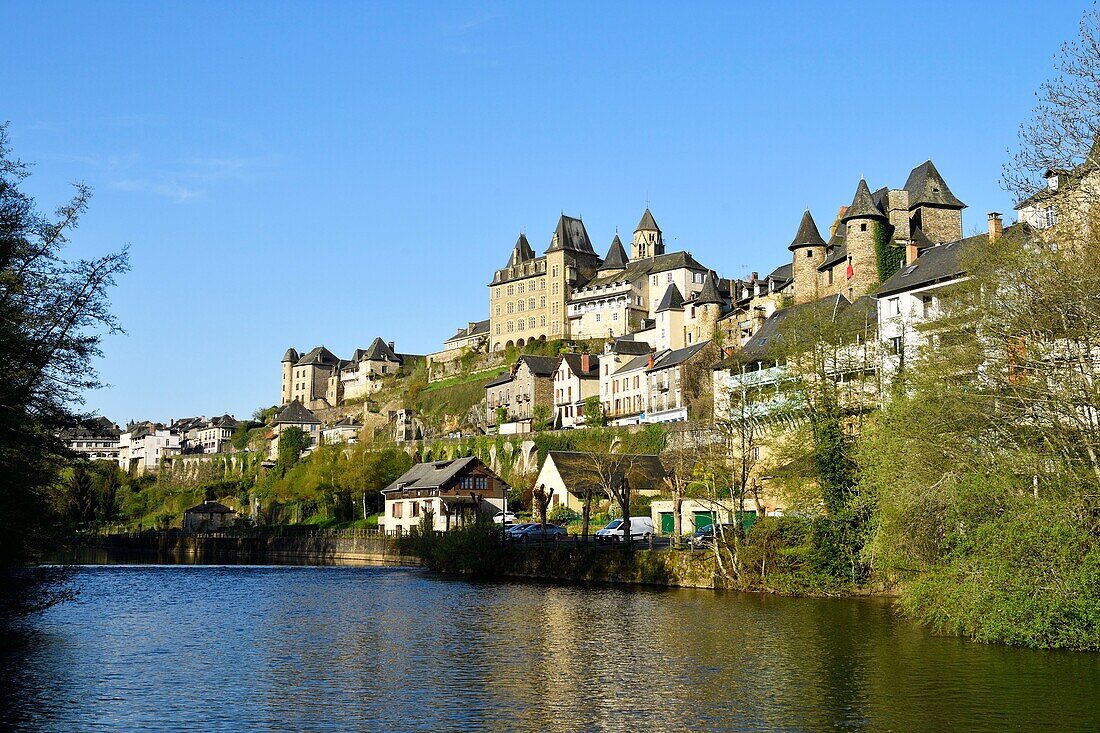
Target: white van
{"type": "Point", "coordinates": [641, 528]}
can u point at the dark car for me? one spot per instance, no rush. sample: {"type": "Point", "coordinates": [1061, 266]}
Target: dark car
{"type": "Point", "coordinates": [704, 537]}
{"type": "Point", "coordinates": [511, 532]}
{"type": "Point", "coordinates": [533, 533]}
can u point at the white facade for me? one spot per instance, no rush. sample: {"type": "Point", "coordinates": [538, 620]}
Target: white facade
{"type": "Point", "coordinates": [144, 446]}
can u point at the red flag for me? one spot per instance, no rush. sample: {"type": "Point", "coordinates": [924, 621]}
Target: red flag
{"type": "Point", "coordinates": [850, 270]}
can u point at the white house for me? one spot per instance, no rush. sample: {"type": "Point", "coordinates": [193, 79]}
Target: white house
{"type": "Point", "coordinates": [345, 430]}
{"type": "Point", "coordinates": [143, 445]}
{"type": "Point", "coordinates": [576, 379]}
{"type": "Point", "coordinates": [97, 439]}
{"type": "Point", "coordinates": [565, 474]}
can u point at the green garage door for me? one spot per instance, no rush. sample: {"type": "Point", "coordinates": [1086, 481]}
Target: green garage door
{"type": "Point", "coordinates": [668, 523]}
{"type": "Point", "coordinates": [703, 519]}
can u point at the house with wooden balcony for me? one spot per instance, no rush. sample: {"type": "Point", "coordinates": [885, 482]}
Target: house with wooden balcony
{"type": "Point", "coordinates": [452, 493]}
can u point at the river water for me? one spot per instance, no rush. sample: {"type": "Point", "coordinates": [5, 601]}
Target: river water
{"type": "Point", "coordinates": [202, 648]}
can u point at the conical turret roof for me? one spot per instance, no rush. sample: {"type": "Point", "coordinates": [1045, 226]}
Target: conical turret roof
{"type": "Point", "coordinates": [647, 223]}
{"type": "Point", "coordinates": [863, 205]}
{"type": "Point", "coordinates": [673, 300]}
{"type": "Point", "coordinates": [616, 256]}
{"type": "Point", "coordinates": [291, 355]}
{"type": "Point", "coordinates": [709, 293]}
{"type": "Point", "coordinates": [522, 252]}
{"type": "Point", "coordinates": [808, 234]}
{"type": "Point", "coordinates": [570, 235]}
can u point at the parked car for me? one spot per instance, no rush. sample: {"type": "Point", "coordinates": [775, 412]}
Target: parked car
{"type": "Point", "coordinates": [704, 536]}
{"type": "Point", "coordinates": [641, 528]}
{"type": "Point", "coordinates": [504, 518]}
{"type": "Point", "coordinates": [512, 530]}
{"type": "Point", "coordinates": [533, 533]}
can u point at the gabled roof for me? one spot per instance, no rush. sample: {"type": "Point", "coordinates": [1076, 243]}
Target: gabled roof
{"type": "Point", "coordinates": [436, 474]}
{"type": "Point", "coordinates": [318, 355]}
{"type": "Point", "coordinates": [379, 350]}
{"type": "Point", "coordinates": [570, 235]}
{"type": "Point", "coordinates": [499, 380]}
{"type": "Point", "coordinates": [209, 507]}
{"type": "Point", "coordinates": [540, 366]}
{"type": "Point", "coordinates": [480, 328]}
{"type": "Point", "coordinates": [807, 234]}
{"type": "Point", "coordinates": [640, 269]}
{"type": "Point", "coordinates": [574, 362]}
{"type": "Point", "coordinates": [863, 205]}
{"type": "Point", "coordinates": [709, 293]}
{"type": "Point", "coordinates": [291, 355]}
{"type": "Point", "coordinates": [96, 427]}
{"type": "Point", "coordinates": [927, 187]}
{"type": "Point", "coordinates": [763, 343]}
{"type": "Point", "coordinates": [672, 300]}
{"type": "Point", "coordinates": [935, 264]}
{"type": "Point", "coordinates": [521, 253]}
{"type": "Point", "coordinates": [839, 254]}
{"type": "Point", "coordinates": [647, 223]}
{"type": "Point", "coordinates": [627, 346]}
{"type": "Point", "coordinates": [674, 357]}
{"type": "Point", "coordinates": [225, 421]}
{"type": "Point", "coordinates": [616, 256]}
{"type": "Point", "coordinates": [644, 471]}
{"type": "Point", "coordinates": [295, 413]}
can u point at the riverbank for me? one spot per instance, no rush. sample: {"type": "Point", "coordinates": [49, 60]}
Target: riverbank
{"type": "Point", "coordinates": [258, 549]}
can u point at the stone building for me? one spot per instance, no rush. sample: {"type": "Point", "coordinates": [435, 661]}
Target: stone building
{"type": "Point", "coordinates": [528, 385]}
{"type": "Point", "coordinates": [296, 415]}
{"type": "Point", "coordinates": [321, 379]}
{"type": "Point", "coordinates": [209, 516]}
{"type": "Point", "coordinates": [95, 439]}
{"type": "Point", "coordinates": [528, 296]}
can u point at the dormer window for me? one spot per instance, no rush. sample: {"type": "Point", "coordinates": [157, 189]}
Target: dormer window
{"type": "Point", "coordinates": [1052, 181]}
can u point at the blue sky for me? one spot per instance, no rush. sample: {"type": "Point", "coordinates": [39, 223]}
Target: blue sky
{"type": "Point", "coordinates": [303, 174]}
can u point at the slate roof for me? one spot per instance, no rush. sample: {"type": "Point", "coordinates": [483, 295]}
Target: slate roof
{"type": "Point", "coordinates": [209, 507]}
{"type": "Point", "coordinates": [574, 362]}
{"type": "Point", "coordinates": [863, 205]}
{"type": "Point", "coordinates": [347, 422]}
{"type": "Point", "coordinates": [499, 380]}
{"type": "Point", "coordinates": [480, 328]}
{"type": "Point", "coordinates": [616, 256]}
{"type": "Point", "coordinates": [807, 234]}
{"type": "Point", "coordinates": [927, 187]}
{"type": "Point", "coordinates": [434, 474]}
{"type": "Point", "coordinates": [629, 346]}
{"type": "Point", "coordinates": [839, 254]}
{"type": "Point", "coordinates": [762, 344]}
{"type": "Point", "coordinates": [647, 223]}
{"type": "Point", "coordinates": [672, 300]}
{"type": "Point", "coordinates": [644, 471]}
{"type": "Point", "coordinates": [639, 269]}
{"type": "Point", "coordinates": [935, 264]}
{"type": "Point", "coordinates": [709, 293]}
{"type": "Point", "coordinates": [96, 427]}
{"type": "Point", "coordinates": [570, 235]}
{"type": "Point", "coordinates": [638, 362]}
{"type": "Point", "coordinates": [521, 253]}
{"type": "Point", "coordinates": [540, 366]}
{"type": "Point", "coordinates": [295, 413]}
{"type": "Point", "coordinates": [291, 355]}
{"type": "Point", "coordinates": [379, 350]}
{"type": "Point", "coordinates": [318, 355]}
{"type": "Point", "coordinates": [225, 421]}
{"type": "Point", "coordinates": [674, 357]}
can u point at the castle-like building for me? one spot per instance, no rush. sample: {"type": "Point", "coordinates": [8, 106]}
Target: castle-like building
{"type": "Point", "coordinates": [571, 293]}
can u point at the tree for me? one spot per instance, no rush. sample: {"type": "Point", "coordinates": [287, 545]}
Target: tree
{"type": "Point", "coordinates": [53, 312]}
{"type": "Point", "coordinates": [540, 418]}
{"type": "Point", "coordinates": [243, 434]}
{"type": "Point", "coordinates": [602, 470]}
{"type": "Point", "coordinates": [1065, 124]}
{"type": "Point", "coordinates": [593, 413]}
{"type": "Point", "coordinates": [292, 441]}
{"type": "Point", "coordinates": [541, 499]}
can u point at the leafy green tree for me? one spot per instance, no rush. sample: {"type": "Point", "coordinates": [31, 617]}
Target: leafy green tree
{"type": "Point", "coordinates": [593, 413]}
{"type": "Point", "coordinates": [292, 441]}
{"type": "Point", "coordinates": [243, 434]}
{"type": "Point", "coordinates": [52, 314]}
{"type": "Point", "coordinates": [540, 418]}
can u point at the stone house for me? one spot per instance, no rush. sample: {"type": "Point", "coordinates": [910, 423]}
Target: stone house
{"type": "Point", "coordinates": [576, 379]}
{"type": "Point", "coordinates": [306, 378]}
{"type": "Point", "coordinates": [454, 492]}
{"type": "Point", "coordinates": [345, 430]}
{"type": "Point", "coordinates": [215, 435]}
{"type": "Point", "coordinates": [754, 301]}
{"type": "Point", "coordinates": [294, 415]}
{"type": "Point", "coordinates": [678, 381]}
{"type": "Point", "coordinates": [1065, 212]}
{"type": "Point", "coordinates": [320, 379]}
{"type": "Point", "coordinates": [566, 474]}
{"type": "Point", "coordinates": [527, 386]}
{"type": "Point", "coordinates": [95, 439]}
{"type": "Point", "coordinates": [143, 445]}
{"type": "Point", "coordinates": [208, 516]}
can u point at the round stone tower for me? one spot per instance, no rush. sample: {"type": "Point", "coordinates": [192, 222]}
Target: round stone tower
{"type": "Point", "coordinates": [289, 358]}
{"type": "Point", "coordinates": [808, 250]}
{"type": "Point", "coordinates": [863, 222]}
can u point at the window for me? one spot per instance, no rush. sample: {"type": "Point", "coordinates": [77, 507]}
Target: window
{"type": "Point", "coordinates": [597, 318]}
{"type": "Point", "coordinates": [415, 506]}
{"type": "Point", "coordinates": [863, 227]}
{"type": "Point", "coordinates": [531, 322]}
{"type": "Point", "coordinates": [894, 306]}
{"type": "Point", "coordinates": [635, 382]}
{"type": "Point", "coordinates": [520, 306]}
{"type": "Point", "coordinates": [655, 280]}
{"type": "Point", "coordinates": [398, 509]}
{"type": "Point", "coordinates": [896, 345]}
{"type": "Point", "coordinates": [498, 329]}
{"type": "Point", "coordinates": [554, 271]}
{"type": "Point", "coordinates": [809, 253]}
{"type": "Point", "coordinates": [542, 302]}
{"type": "Point", "coordinates": [498, 309]}
{"type": "Point", "coordinates": [530, 303]}
{"type": "Point", "coordinates": [511, 307]}
{"type": "Point", "coordinates": [510, 289]}
{"type": "Point", "coordinates": [829, 276]}
{"type": "Point", "coordinates": [926, 306]}
{"type": "Point", "coordinates": [542, 284]}
{"type": "Point", "coordinates": [542, 321]}
{"type": "Point", "coordinates": [669, 278]}
{"type": "Point", "coordinates": [614, 316]}
{"type": "Point", "coordinates": [509, 327]}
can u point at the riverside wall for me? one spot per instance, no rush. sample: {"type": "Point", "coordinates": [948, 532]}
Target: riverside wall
{"type": "Point", "coordinates": [217, 548]}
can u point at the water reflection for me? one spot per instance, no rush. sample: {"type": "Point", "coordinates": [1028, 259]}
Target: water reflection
{"type": "Point", "coordinates": [151, 648]}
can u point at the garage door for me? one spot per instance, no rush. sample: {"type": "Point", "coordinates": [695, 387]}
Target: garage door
{"type": "Point", "coordinates": [668, 523]}
{"type": "Point", "coordinates": [703, 519]}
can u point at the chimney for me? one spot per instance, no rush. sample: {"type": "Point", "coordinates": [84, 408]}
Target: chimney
{"type": "Point", "coordinates": [391, 345]}
{"type": "Point", "coordinates": [755, 276]}
{"type": "Point", "coordinates": [650, 361]}
{"type": "Point", "coordinates": [911, 252]}
{"type": "Point", "coordinates": [730, 351]}
{"type": "Point", "coordinates": [585, 363]}
{"type": "Point", "coordinates": [996, 226]}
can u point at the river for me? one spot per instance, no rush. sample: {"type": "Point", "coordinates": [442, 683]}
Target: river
{"type": "Point", "coordinates": [209, 648]}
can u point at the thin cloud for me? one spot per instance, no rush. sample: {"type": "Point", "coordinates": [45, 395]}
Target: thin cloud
{"type": "Point", "coordinates": [169, 190]}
